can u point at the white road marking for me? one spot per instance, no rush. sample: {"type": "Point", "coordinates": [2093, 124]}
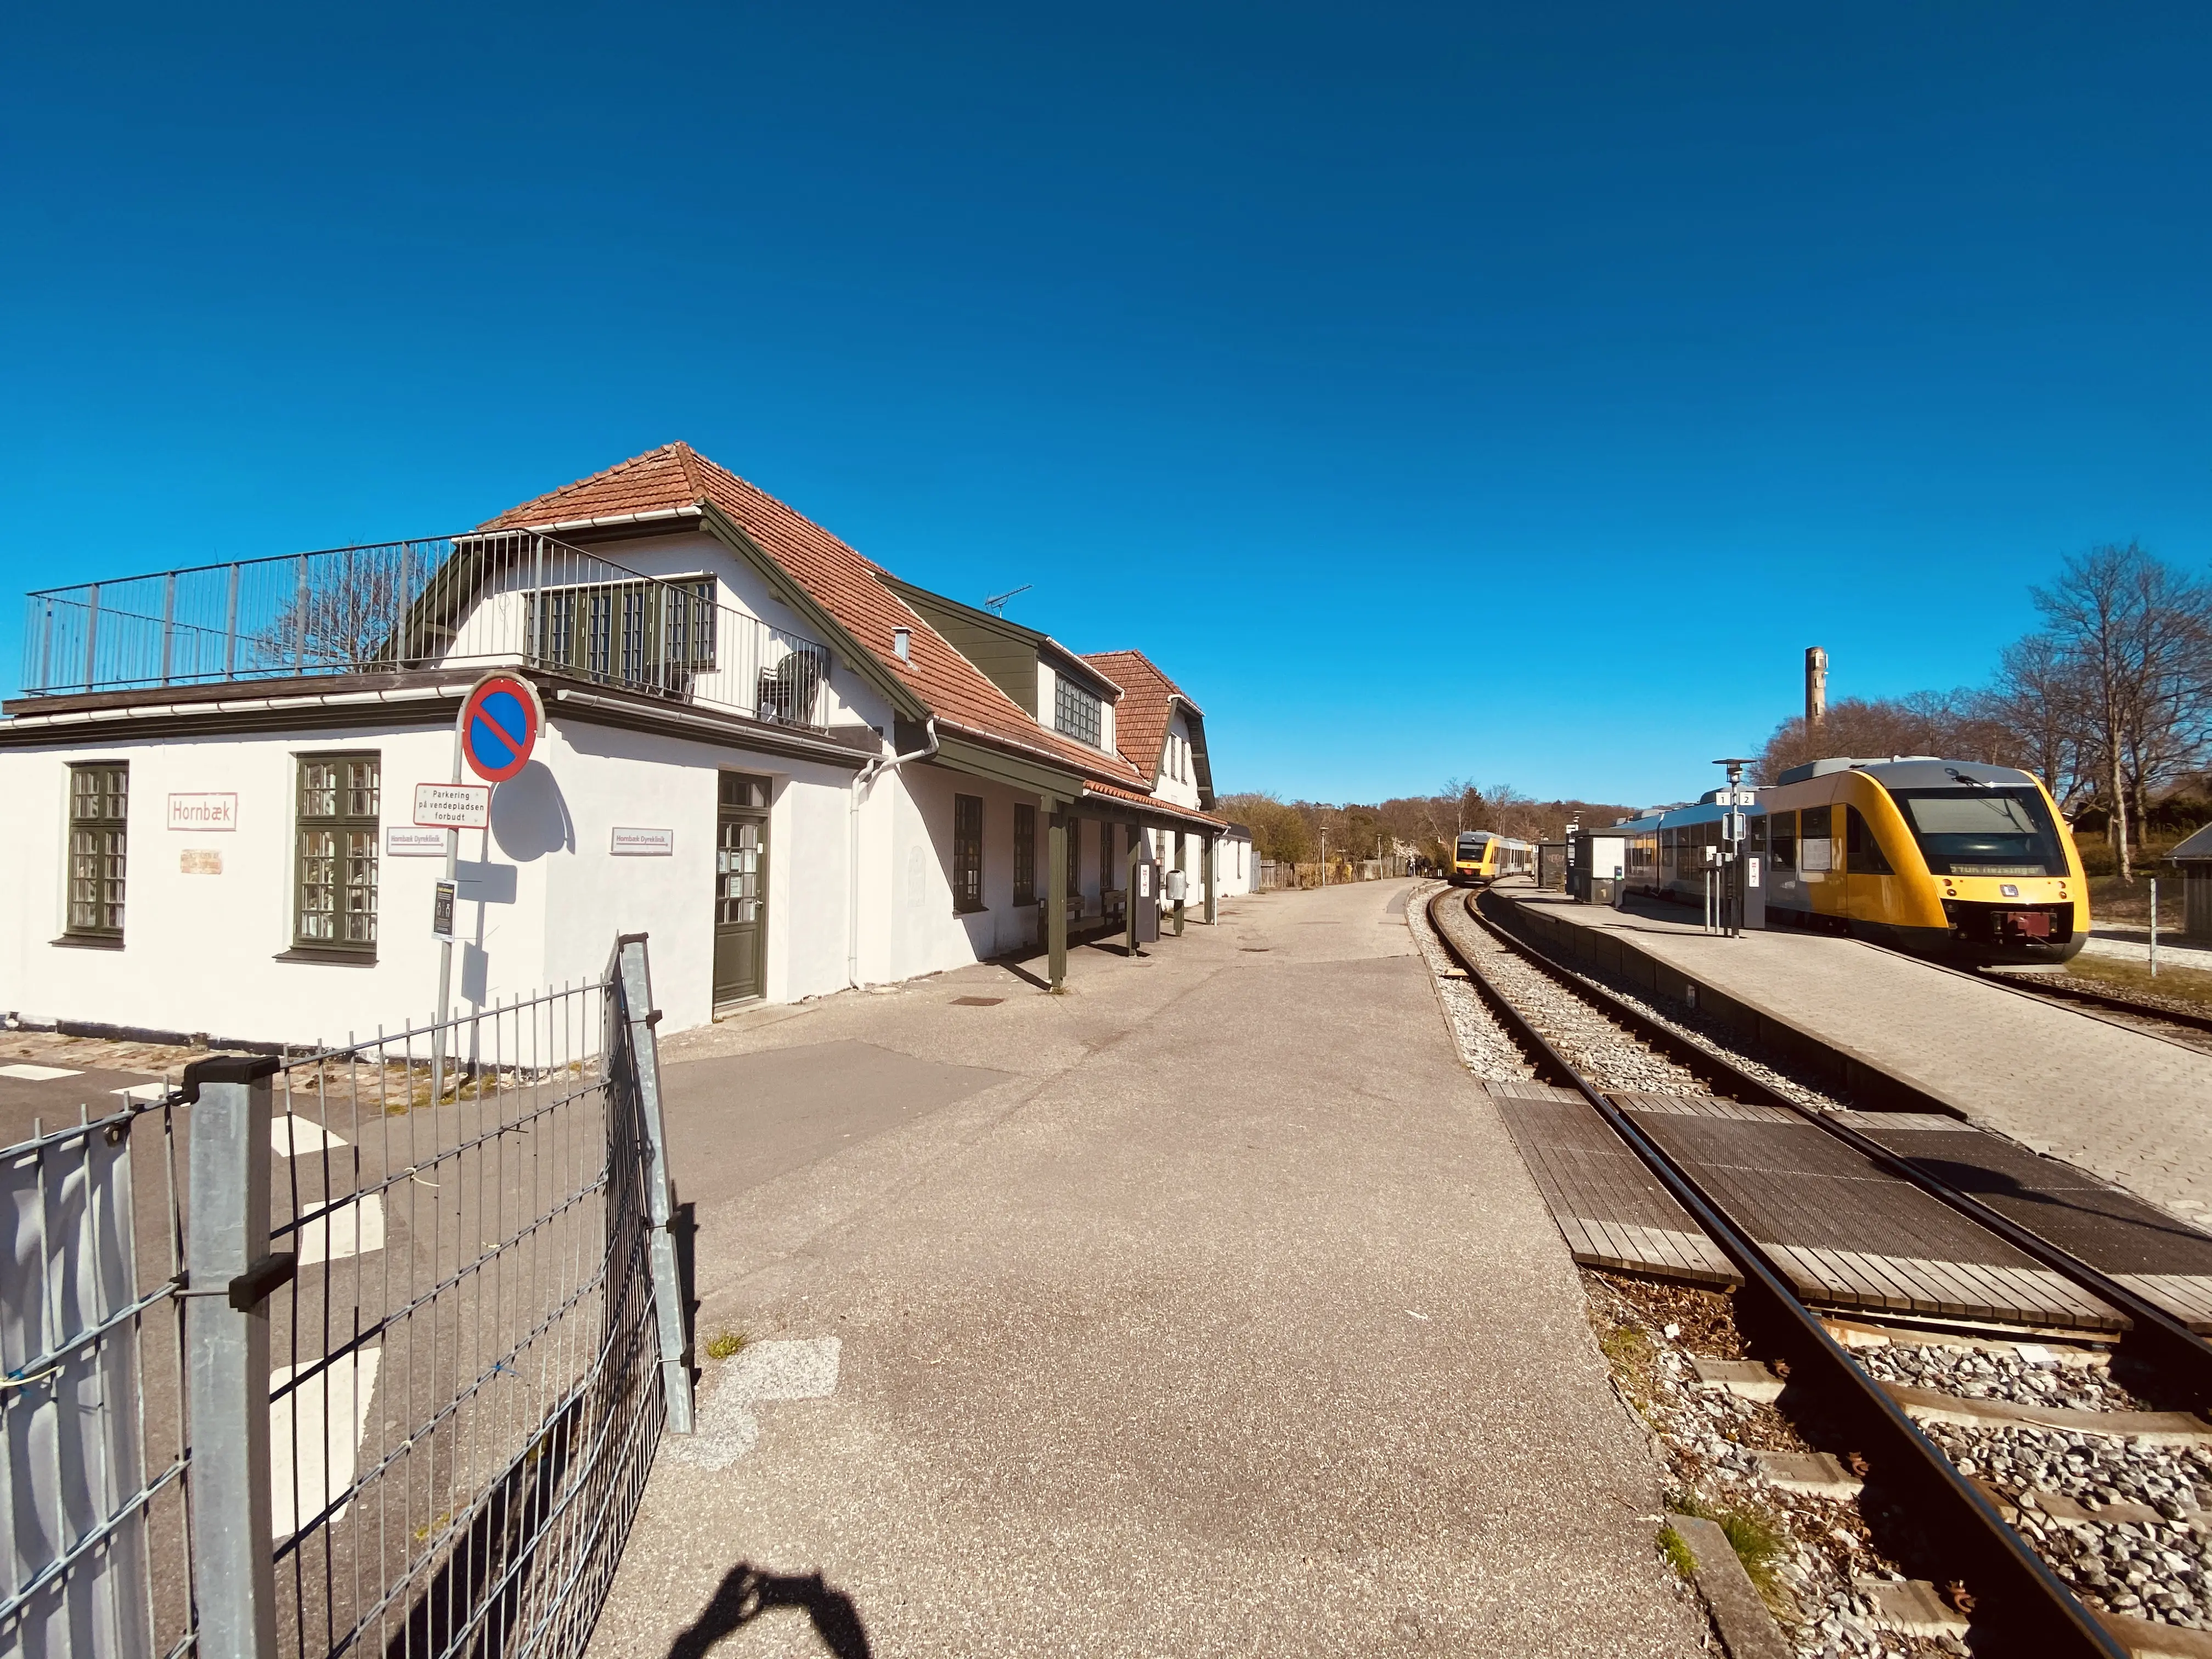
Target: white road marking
{"type": "Point", "coordinates": [291, 1135]}
{"type": "Point", "coordinates": [729, 1421]}
{"type": "Point", "coordinates": [37, 1074]}
{"type": "Point", "coordinates": [352, 1229]}
{"type": "Point", "coordinates": [146, 1094]}
{"type": "Point", "coordinates": [329, 1413]}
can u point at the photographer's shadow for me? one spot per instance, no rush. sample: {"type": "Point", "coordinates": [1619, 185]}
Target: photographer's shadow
{"type": "Point", "coordinates": [746, 1593]}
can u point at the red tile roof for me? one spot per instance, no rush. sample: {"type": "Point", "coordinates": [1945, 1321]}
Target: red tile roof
{"type": "Point", "coordinates": [851, 587]}
{"type": "Point", "coordinates": [1140, 718]}
{"type": "Point", "coordinates": [1166, 808]}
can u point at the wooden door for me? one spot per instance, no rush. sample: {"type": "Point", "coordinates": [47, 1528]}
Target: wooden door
{"type": "Point", "coordinates": [741, 889]}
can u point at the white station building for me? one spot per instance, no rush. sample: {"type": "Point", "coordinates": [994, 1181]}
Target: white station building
{"type": "Point", "coordinates": [793, 771]}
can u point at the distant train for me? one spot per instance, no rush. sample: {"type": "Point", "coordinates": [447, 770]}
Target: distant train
{"type": "Point", "coordinates": [1948, 859]}
{"type": "Point", "coordinates": [1480, 857]}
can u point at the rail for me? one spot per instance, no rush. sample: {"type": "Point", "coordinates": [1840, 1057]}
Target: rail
{"type": "Point", "coordinates": [2162, 1340]}
{"type": "Point", "coordinates": [2014, 1588]}
{"type": "Point", "coordinates": [497, 599]}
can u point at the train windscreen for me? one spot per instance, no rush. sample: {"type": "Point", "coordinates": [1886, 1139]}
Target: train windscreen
{"type": "Point", "coordinates": [1984, 832]}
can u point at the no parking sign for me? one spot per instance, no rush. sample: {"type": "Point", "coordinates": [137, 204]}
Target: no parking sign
{"type": "Point", "coordinates": [498, 726]}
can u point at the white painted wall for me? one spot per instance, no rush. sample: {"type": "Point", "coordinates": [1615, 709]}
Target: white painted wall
{"type": "Point", "coordinates": [1178, 775]}
{"type": "Point", "coordinates": [1233, 869]}
{"type": "Point", "coordinates": [542, 895]}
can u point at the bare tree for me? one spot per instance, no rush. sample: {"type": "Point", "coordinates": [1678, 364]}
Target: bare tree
{"type": "Point", "coordinates": [2039, 701]}
{"type": "Point", "coordinates": [2139, 635]}
{"type": "Point", "coordinates": [347, 610]}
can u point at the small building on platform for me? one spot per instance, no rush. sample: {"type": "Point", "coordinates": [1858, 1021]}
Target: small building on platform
{"type": "Point", "coordinates": [792, 770]}
{"type": "Point", "coordinates": [2194, 860]}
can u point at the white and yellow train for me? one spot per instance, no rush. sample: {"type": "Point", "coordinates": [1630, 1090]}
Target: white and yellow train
{"type": "Point", "coordinates": [1951, 859]}
{"type": "Point", "coordinates": [1481, 856]}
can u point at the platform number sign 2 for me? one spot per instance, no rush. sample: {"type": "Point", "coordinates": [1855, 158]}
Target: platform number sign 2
{"type": "Point", "coordinates": [498, 726]}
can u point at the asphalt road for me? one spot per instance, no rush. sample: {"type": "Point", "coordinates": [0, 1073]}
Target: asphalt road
{"type": "Point", "coordinates": [1206, 1310]}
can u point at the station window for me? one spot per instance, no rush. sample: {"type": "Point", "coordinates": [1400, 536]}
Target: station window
{"type": "Point", "coordinates": [334, 885]}
{"type": "Point", "coordinates": [99, 802]}
{"type": "Point", "coordinates": [1024, 854]}
{"type": "Point", "coordinates": [1075, 711]}
{"type": "Point", "coordinates": [967, 851]}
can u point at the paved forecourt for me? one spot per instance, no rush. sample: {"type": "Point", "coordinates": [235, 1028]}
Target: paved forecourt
{"type": "Point", "coordinates": [1205, 1309]}
{"type": "Point", "coordinates": [2128, 1106]}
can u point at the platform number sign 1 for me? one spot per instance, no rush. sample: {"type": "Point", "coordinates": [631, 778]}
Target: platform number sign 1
{"type": "Point", "coordinates": [498, 726]}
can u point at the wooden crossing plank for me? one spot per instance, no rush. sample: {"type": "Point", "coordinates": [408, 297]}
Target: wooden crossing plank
{"type": "Point", "coordinates": [1845, 1230]}
{"type": "Point", "coordinates": [1611, 1210]}
{"type": "Point", "coordinates": [2159, 1255]}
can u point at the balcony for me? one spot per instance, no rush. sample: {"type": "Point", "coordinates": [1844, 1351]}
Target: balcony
{"type": "Point", "coordinates": [509, 599]}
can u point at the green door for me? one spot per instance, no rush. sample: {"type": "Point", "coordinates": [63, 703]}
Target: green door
{"type": "Point", "coordinates": [740, 888]}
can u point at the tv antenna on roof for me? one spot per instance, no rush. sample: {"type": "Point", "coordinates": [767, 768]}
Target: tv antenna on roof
{"type": "Point", "coordinates": [996, 605]}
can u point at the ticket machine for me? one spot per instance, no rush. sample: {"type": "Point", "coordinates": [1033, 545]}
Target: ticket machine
{"type": "Point", "coordinates": [1144, 889]}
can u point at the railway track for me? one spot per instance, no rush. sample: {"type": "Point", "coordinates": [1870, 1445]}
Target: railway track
{"type": "Point", "coordinates": [2181, 1358]}
{"type": "Point", "coordinates": [2017, 1595]}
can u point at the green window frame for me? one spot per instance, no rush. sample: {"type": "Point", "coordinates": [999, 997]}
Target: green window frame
{"type": "Point", "coordinates": [1024, 854]}
{"type": "Point", "coordinates": [630, 632]}
{"type": "Point", "coordinates": [1075, 711]}
{"type": "Point", "coordinates": [99, 849]}
{"type": "Point", "coordinates": [967, 852]}
{"type": "Point", "coordinates": [334, 879]}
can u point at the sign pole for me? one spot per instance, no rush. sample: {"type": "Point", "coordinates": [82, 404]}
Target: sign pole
{"type": "Point", "coordinates": [445, 945]}
{"type": "Point", "coordinates": [495, 733]}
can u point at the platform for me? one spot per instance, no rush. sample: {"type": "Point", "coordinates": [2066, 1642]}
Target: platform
{"type": "Point", "coordinates": [1205, 1308]}
{"type": "Point", "coordinates": [2126, 1106]}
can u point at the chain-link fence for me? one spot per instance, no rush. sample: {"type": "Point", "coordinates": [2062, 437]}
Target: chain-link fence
{"type": "Point", "coordinates": [432, 1312]}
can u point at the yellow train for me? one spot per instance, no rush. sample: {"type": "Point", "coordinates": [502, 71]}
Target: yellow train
{"type": "Point", "coordinates": [1481, 856]}
{"type": "Point", "coordinates": [1949, 859]}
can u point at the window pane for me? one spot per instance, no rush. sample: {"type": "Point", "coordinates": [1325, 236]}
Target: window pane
{"type": "Point", "coordinates": [336, 877]}
{"type": "Point", "coordinates": [100, 799]}
{"type": "Point", "coordinates": [318, 883]}
{"type": "Point", "coordinates": [319, 789]}
{"type": "Point", "coordinates": [1075, 712]}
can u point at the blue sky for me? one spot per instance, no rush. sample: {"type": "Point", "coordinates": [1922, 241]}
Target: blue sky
{"type": "Point", "coordinates": [1504, 392]}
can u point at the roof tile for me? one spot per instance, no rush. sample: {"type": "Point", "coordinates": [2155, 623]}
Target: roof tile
{"type": "Point", "coordinates": [853, 588]}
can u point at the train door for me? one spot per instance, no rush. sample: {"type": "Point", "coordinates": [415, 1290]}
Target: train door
{"type": "Point", "coordinates": [1867, 878]}
{"type": "Point", "coordinates": [1820, 863]}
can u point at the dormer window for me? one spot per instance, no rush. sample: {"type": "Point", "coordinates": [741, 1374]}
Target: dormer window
{"type": "Point", "coordinates": [1075, 711]}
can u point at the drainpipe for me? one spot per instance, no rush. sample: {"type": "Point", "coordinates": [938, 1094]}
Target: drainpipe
{"type": "Point", "coordinates": [863, 780]}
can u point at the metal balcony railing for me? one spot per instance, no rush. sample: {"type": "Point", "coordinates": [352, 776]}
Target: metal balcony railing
{"type": "Point", "coordinates": [505, 598]}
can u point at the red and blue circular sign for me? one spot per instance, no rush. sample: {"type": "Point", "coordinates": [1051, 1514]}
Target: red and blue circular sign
{"type": "Point", "coordinates": [498, 726]}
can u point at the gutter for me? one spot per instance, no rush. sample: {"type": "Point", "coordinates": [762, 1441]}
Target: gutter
{"type": "Point", "coordinates": [229, 706]}
{"type": "Point", "coordinates": [610, 521]}
{"type": "Point", "coordinates": [863, 781]}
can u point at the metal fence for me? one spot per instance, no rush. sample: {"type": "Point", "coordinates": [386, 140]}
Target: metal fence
{"type": "Point", "coordinates": [494, 599]}
{"type": "Point", "coordinates": [92, 1451]}
{"type": "Point", "coordinates": [435, 1328]}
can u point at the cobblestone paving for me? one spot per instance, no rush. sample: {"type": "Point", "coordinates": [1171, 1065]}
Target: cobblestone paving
{"type": "Point", "coordinates": [2134, 1108]}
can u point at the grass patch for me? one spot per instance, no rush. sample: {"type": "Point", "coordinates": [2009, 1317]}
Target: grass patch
{"type": "Point", "coordinates": [1625, 1348]}
{"type": "Point", "coordinates": [1677, 1553]}
{"type": "Point", "coordinates": [726, 1345]}
{"type": "Point", "coordinates": [1757, 1542]}
{"type": "Point", "coordinates": [2189, 985]}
